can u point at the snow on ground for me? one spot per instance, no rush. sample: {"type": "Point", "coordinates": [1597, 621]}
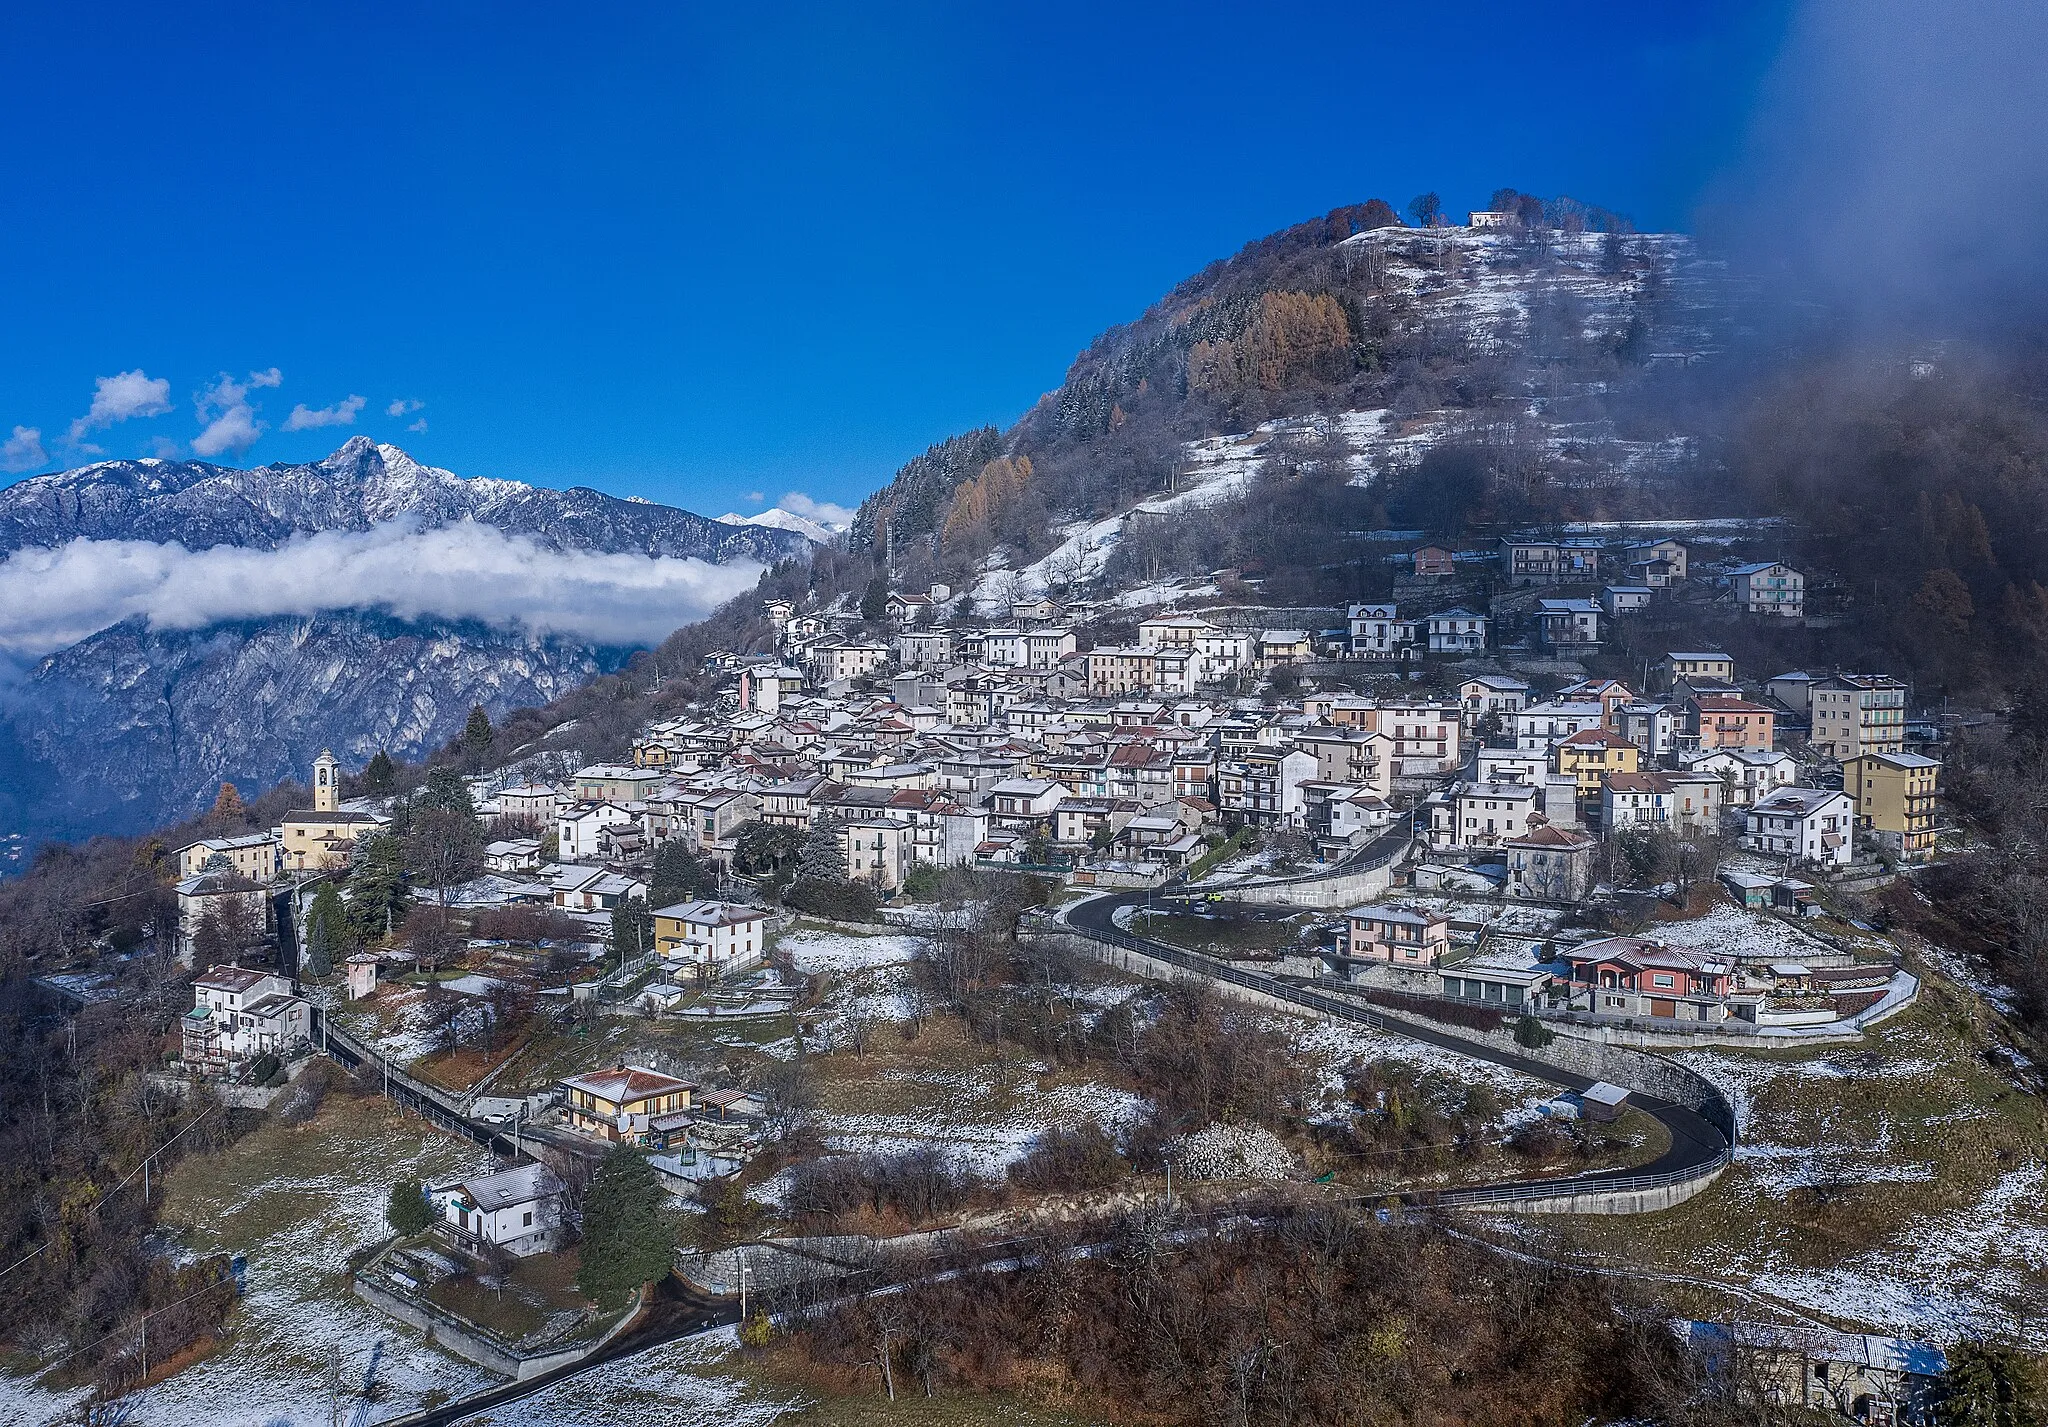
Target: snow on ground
{"type": "Point", "coordinates": [983, 1142]}
{"type": "Point", "coordinates": [838, 951]}
{"type": "Point", "coordinates": [1956, 1274]}
{"type": "Point", "coordinates": [1333, 1045]}
{"type": "Point", "coordinates": [676, 1385]}
{"type": "Point", "coordinates": [1969, 975]}
{"type": "Point", "coordinates": [298, 1227]}
{"type": "Point", "coordinates": [1509, 920]}
{"type": "Point", "coordinates": [1731, 931]}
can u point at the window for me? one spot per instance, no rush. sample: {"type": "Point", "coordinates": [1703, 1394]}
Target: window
{"type": "Point", "coordinates": [527, 1220]}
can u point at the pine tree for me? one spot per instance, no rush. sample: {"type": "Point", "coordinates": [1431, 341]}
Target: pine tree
{"type": "Point", "coordinates": [823, 857]}
{"type": "Point", "coordinates": [378, 898]}
{"type": "Point", "coordinates": [407, 1211]}
{"type": "Point", "coordinates": [679, 876]}
{"type": "Point", "coordinates": [874, 604]}
{"type": "Point", "coordinates": [380, 776]}
{"type": "Point", "coordinates": [476, 738]}
{"type": "Point", "coordinates": [446, 790]}
{"type": "Point", "coordinates": [628, 1237]}
{"type": "Point", "coordinates": [327, 931]}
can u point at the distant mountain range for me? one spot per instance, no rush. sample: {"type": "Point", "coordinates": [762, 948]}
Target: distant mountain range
{"type": "Point", "coordinates": [199, 505]}
{"type": "Point", "coordinates": [136, 725]}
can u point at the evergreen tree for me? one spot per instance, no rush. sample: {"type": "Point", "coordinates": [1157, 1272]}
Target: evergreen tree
{"type": "Point", "coordinates": [874, 604]}
{"type": "Point", "coordinates": [823, 857]}
{"type": "Point", "coordinates": [628, 1237]}
{"type": "Point", "coordinates": [378, 897]}
{"type": "Point", "coordinates": [327, 931]}
{"type": "Point", "coordinates": [407, 1211]}
{"type": "Point", "coordinates": [679, 876]}
{"type": "Point", "coordinates": [1990, 1385]}
{"type": "Point", "coordinates": [476, 738]}
{"type": "Point", "coordinates": [632, 928]}
{"type": "Point", "coordinates": [446, 791]}
{"type": "Point", "coordinates": [380, 776]}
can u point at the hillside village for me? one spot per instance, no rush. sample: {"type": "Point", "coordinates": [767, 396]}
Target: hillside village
{"type": "Point", "coordinates": [1538, 882]}
{"type": "Point", "coordinates": [1427, 806]}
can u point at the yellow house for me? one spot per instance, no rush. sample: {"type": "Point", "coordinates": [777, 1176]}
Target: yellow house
{"type": "Point", "coordinates": [1894, 795]}
{"type": "Point", "coordinates": [1589, 755]}
{"type": "Point", "coordinates": [626, 1102]}
{"type": "Point", "coordinates": [323, 836]}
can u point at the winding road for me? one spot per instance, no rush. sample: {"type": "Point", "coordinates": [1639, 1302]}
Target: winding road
{"type": "Point", "coordinates": [1696, 1143]}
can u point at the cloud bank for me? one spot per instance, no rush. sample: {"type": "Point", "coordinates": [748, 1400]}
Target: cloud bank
{"type": "Point", "coordinates": [1898, 163]}
{"type": "Point", "coordinates": [52, 597]}
{"type": "Point", "coordinates": [832, 517]}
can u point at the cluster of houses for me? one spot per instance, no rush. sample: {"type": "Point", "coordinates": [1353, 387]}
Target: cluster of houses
{"type": "Point", "coordinates": [1632, 980]}
{"type": "Point", "coordinates": [1704, 754]}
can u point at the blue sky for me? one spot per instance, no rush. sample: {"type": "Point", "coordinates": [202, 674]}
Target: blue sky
{"type": "Point", "coordinates": [696, 256]}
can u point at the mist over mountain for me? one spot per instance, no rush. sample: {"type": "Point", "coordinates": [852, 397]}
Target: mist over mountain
{"type": "Point", "coordinates": [177, 623]}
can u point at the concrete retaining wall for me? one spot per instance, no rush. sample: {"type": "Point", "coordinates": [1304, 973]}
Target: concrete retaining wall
{"type": "Point", "coordinates": [1647, 1199]}
{"type": "Point", "coordinates": [1346, 889]}
{"type": "Point", "coordinates": [1138, 964]}
{"type": "Point", "coordinates": [486, 1350]}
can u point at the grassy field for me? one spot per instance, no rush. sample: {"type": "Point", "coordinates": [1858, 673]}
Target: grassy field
{"type": "Point", "coordinates": [297, 1202]}
{"type": "Point", "coordinates": [1897, 1184]}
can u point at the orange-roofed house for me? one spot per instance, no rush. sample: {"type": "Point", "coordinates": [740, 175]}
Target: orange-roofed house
{"type": "Point", "coordinates": [626, 1103]}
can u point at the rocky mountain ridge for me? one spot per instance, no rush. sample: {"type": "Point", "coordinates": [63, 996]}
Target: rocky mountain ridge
{"type": "Point", "coordinates": [137, 725]}
{"type": "Point", "coordinates": [198, 505]}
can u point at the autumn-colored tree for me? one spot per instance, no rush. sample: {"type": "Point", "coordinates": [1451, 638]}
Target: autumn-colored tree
{"type": "Point", "coordinates": [228, 809]}
{"type": "Point", "coordinates": [981, 502]}
{"type": "Point", "coordinates": [1292, 336]}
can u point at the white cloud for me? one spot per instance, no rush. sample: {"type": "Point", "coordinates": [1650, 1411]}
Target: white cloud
{"type": "Point", "coordinates": [231, 433]}
{"type": "Point", "coordinates": [419, 425]}
{"type": "Point", "coordinates": [165, 448]}
{"type": "Point", "coordinates": [342, 413]}
{"type": "Point", "coordinates": [23, 451]}
{"type": "Point", "coordinates": [404, 406]}
{"type": "Point", "coordinates": [753, 497]}
{"type": "Point", "coordinates": [833, 517]}
{"type": "Point", "coordinates": [228, 420]}
{"type": "Point", "coordinates": [122, 397]}
{"type": "Point", "coordinates": [51, 597]}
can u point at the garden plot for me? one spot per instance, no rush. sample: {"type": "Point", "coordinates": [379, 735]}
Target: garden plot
{"type": "Point", "coordinates": [297, 1202]}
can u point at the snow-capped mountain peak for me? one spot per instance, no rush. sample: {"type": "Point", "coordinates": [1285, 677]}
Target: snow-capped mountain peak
{"type": "Point", "coordinates": [776, 518]}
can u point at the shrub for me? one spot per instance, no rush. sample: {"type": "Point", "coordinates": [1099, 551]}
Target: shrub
{"type": "Point", "coordinates": [1077, 1158]}
{"type": "Point", "coordinates": [840, 901]}
{"type": "Point", "coordinates": [262, 1068]}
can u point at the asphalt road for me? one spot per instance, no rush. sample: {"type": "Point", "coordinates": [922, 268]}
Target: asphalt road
{"type": "Point", "coordinates": [1695, 1142]}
